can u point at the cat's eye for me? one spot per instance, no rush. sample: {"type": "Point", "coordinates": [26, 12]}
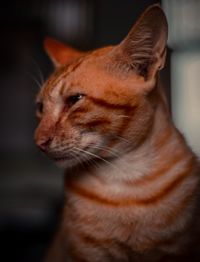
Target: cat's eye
{"type": "Point", "coordinates": [39, 108]}
{"type": "Point", "coordinates": [71, 100]}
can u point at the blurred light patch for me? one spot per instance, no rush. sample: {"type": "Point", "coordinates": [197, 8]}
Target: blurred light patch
{"type": "Point", "coordinates": [185, 92]}
{"type": "Point", "coordinates": [184, 40]}
{"type": "Point", "coordinates": [70, 20]}
{"type": "Point", "coordinates": [184, 22]}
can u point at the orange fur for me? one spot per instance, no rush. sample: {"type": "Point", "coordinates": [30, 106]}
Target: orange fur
{"type": "Point", "coordinates": [131, 181]}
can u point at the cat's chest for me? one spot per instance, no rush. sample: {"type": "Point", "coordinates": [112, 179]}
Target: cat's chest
{"type": "Point", "coordinates": [136, 228]}
{"type": "Point", "coordinates": [133, 233]}
{"type": "Point", "coordinates": [112, 207]}
{"type": "Point", "coordinates": [108, 214]}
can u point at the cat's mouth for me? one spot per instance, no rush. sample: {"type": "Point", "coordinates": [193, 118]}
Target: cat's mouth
{"type": "Point", "coordinates": [66, 161]}
{"type": "Point", "coordinates": [72, 158]}
{"type": "Point", "coordinates": [58, 157]}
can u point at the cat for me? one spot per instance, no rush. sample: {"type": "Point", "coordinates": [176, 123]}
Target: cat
{"type": "Point", "coordinates": [131, 181]}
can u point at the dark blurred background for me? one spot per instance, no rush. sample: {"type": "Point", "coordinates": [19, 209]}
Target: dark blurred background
{"type": "Point", "coordinates": [31, 190]}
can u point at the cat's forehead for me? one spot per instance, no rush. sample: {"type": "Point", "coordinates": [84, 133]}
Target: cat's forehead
{"type": "Point", "coordinates": [62, 73]}
{"type": "Point", "coordinates": [84, 62]}
{"type": "Point", "coordinates": [88, 74]}
{"type": "Point", "coordinates": [58, 78]}
{"type": "Point", "coordinates": [70, 74]}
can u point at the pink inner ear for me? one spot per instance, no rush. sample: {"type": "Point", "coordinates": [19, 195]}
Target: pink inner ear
{"type": "Point", "coordinates": [60, 53]}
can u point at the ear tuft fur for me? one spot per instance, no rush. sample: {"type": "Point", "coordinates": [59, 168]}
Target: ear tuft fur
{"type": "Point", "coordinates": [143, 50]}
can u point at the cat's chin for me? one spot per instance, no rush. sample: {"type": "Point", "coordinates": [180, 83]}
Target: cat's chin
{"type": "Point", "coordinates": [66, 163]}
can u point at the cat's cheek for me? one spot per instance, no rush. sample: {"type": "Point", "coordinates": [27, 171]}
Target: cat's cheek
{"type": "Point", "coordinates": [88, 140]}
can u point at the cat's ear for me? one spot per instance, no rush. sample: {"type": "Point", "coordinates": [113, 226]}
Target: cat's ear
{"type": "Point", "coordinates": [144, 48]}
{"type": "Point", "coordinates": [60, 53]}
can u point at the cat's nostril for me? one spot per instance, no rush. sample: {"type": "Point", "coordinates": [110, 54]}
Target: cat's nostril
{"type": "Point", "coordinates": [43, 145]}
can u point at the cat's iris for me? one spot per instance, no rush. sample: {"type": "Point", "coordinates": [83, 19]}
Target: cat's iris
{"type": "Point", "coordinates": [73, 99]}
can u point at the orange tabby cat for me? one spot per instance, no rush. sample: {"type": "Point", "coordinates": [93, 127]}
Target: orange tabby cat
{"type": "Point", "coordinates": [131, 180]}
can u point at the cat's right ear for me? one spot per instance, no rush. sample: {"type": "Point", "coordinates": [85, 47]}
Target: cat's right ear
{"type": "Point", "coordinates": [60, 53]}
{"type": "Point", "coordinates": [144, 49]}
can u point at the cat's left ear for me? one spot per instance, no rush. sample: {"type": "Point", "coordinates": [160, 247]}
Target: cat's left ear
{"type": "Point", "coordinates": [60, 53]}
{"type": "Point", "coordinates": [144, 49]}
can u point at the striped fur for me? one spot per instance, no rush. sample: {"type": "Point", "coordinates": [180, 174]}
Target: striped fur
{"type": "Point", "coordinates": [131, 181]}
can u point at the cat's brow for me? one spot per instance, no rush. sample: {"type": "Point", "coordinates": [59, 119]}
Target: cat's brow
{"type": "Point", "coordinates": [63, 72]}
{"type": "Point", "coordinates": [104, 103]}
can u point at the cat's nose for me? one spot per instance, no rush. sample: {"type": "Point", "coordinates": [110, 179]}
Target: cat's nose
{"type": "Point", "coordinates": [44, 144]}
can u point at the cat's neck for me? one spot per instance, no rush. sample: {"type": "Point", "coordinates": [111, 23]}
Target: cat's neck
{"type": "Point", "coordinates": [163, 147]}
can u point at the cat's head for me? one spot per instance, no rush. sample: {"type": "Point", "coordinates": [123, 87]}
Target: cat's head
{"type": "Point", "coordinates": [99, 104]}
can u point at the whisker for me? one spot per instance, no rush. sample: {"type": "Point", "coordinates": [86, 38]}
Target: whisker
{"type": "Point", "coordinates": [124, 116]}
{"type": "Point", "coordinates": [123, 139]}
{"type": "Point", "coordinates": [82, 159]}
{"type": "Point", "coordinates": [33, 78]}
{"type": "Point", "coordinates": [91, 161]}
{"type": "Point", "coordinates": [39, 70]}
{"type": "Point", "coordinates": [107, 149]}
{"type": "Point", "coordinates": [94, 155]}
{"type": "Point", "coordinates": [73, 153]}
{"type": "Point", "coordinates": [118, 168]}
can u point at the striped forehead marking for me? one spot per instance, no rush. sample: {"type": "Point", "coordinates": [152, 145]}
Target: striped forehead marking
{"type": "Point", "coordinates": [62, 72]}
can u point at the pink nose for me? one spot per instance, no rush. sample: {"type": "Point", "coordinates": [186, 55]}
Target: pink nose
{"type": "Point", "coordinates": [44, 144]}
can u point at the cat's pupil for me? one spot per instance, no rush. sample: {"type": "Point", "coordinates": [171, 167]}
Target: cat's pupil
{"type": "Point", "coordinates": [74, 98]}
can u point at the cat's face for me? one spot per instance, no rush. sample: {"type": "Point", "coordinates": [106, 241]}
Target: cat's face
{"type": "Point", "coordinates": [95, 105]}
{"type": "Point", "coordinates": [83, 106]}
